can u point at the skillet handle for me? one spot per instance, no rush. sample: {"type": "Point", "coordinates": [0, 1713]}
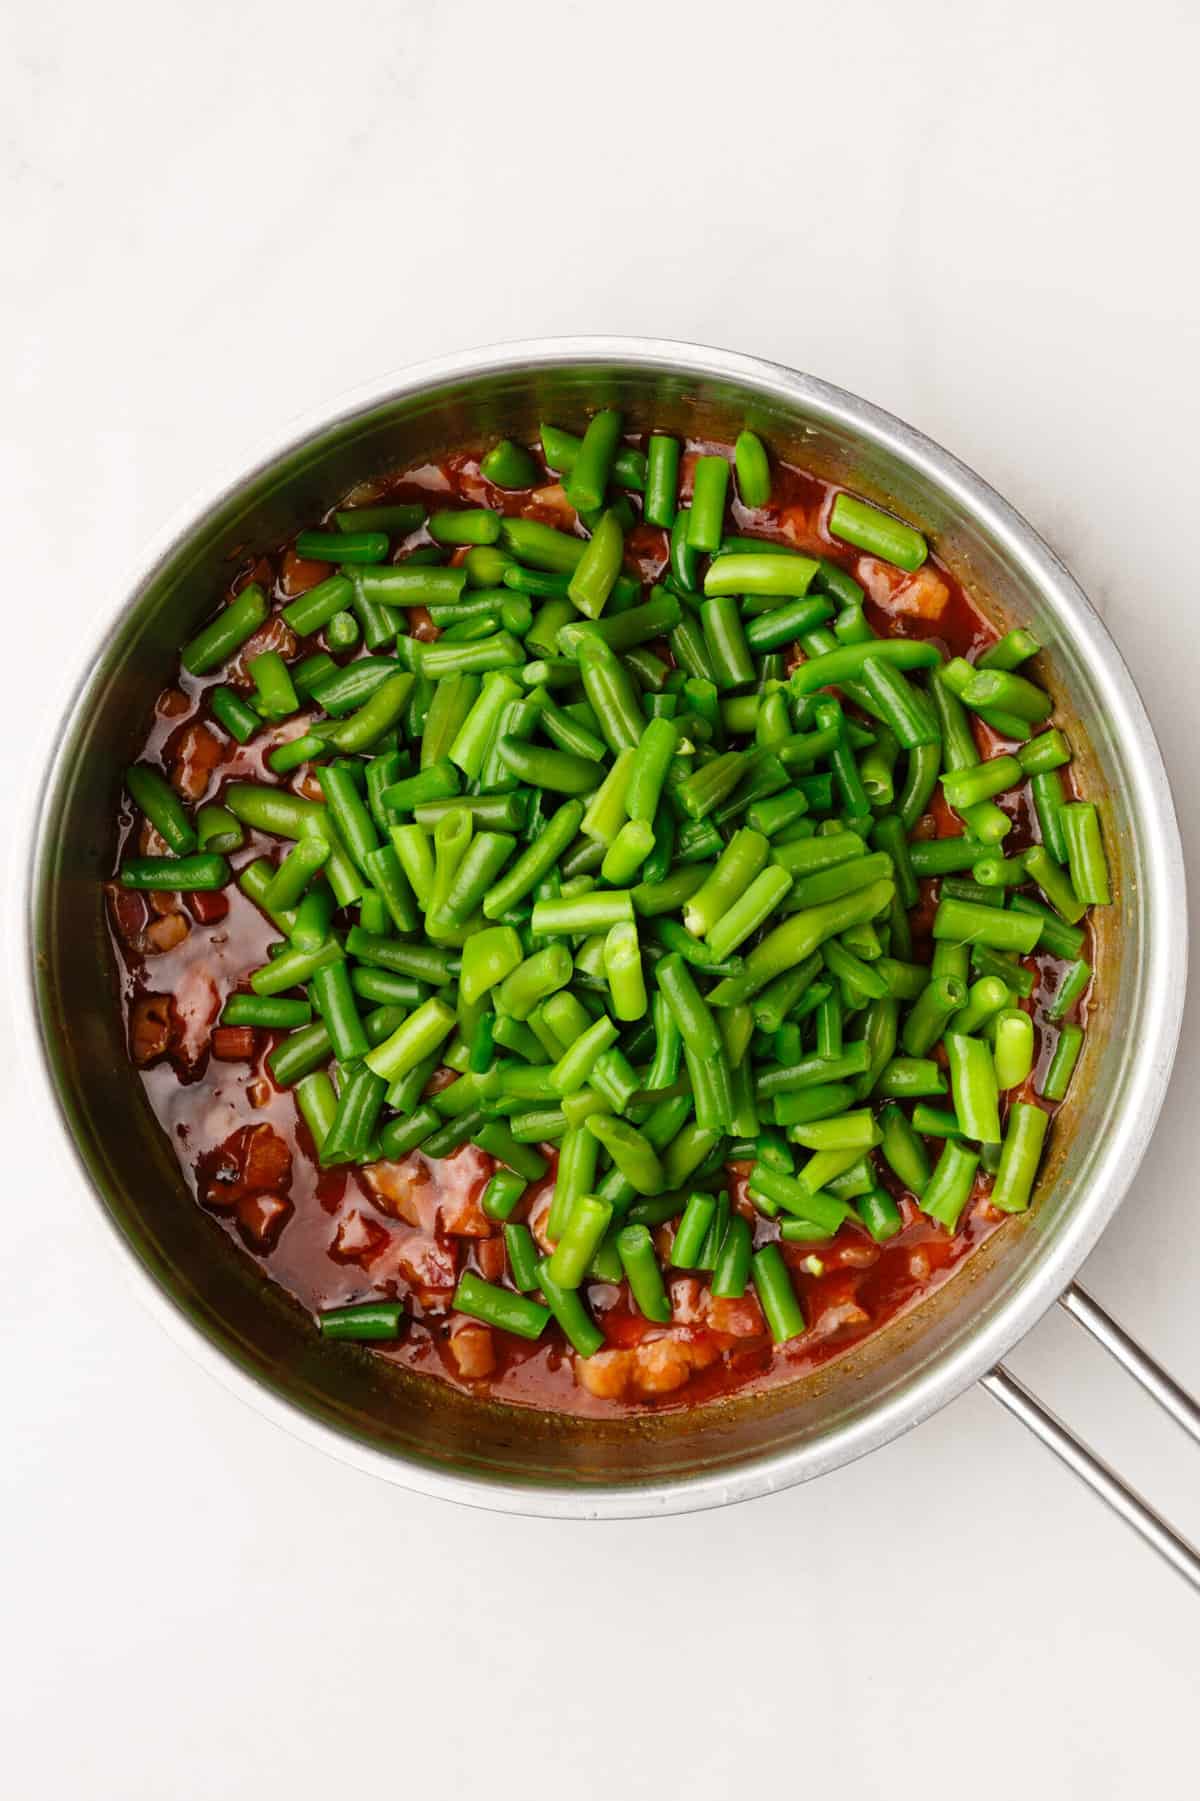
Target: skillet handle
{"type": "Point", "coordinates": [1182, 1556]}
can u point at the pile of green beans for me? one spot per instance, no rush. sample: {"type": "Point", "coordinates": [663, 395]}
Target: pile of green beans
{"type": "Point", "coordinates": [646, 894]}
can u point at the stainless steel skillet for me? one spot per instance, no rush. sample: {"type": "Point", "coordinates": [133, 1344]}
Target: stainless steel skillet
{"type": "Point", "coordinates": [431, 1438]}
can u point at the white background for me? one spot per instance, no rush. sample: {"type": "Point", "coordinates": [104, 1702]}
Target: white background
{"type": "Point", "coordinates": [217, 216]}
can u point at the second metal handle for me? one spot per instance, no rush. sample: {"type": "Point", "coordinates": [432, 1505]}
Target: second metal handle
{"type": "Point", "coordinates": [1183, 1408]}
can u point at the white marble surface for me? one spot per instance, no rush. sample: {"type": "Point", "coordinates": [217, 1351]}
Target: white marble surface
{"type": "Point", "coordinates": [218, 216]}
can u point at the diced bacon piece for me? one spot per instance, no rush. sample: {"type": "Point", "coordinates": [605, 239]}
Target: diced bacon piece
{"type": "Point", "coordinates": [462, 1216]}
{"type": "Point", "coordinates": [855, 1254]}
{"type": "Point", "coordinates": [740, 1318]}
{"type": "Point", "coordinates": [261, 1218]}
{"type": "Point", "coordinates": [150, 844]}
{"type": "Point", "coordinates": [838, 1317]}
{"type": "Point", "coordinates": [250, 1172]}
{"type": "Point", "coordinates": [259, 1092]}
{"type": "Point", "coordinates": [404, 1190]}
{"type": "Point", "coordinates": [539, 1215]}
{"type": "Point", "coordinates": [298, 574]}
{"type": "Point", "coordinates": [266, 1160]}
{"type": "Point", "coordinates": [152, 1027]}
{"type": "Point", "coordinates": [358, 1239]}
{"type": "Point", "coordinates": [490, 1256]}
{"type": "Point", "coordinates": [206, 906]}
{"type": "Point", "coordinates": [881, 580]}
{"type": "Point", "coordinates": [661, 1365]}
{"type": "Point", "coordinates": [463, 474]}
{"type": "Point", "coordinates": [421, 626]}
{"type": "Point", "coordinates": [274, 634]}
{"type": "Point", "coordinates": [196, 1005]}
{"type": "Point", "coordinates": [550, 506]}
{"type": "Point", "coordinates": [366, 493]}
{"type": "Point", "coordinates": [172, 703]}
{"type": "Point", "coordinates": [430, 1264]}
{"type": "Point", "coordinates": [924, 596]}
{"type": "Point", "coordinates": [198, 755]}
{"type": "Point", "coordinates": [647, 547]}
{"type": "Point", "coordinates": [127, 910]}
{"type": "Point", "coordinates": [802, 529]}
{"type": "Point", "coordinates": [688, 1300]}
{"type": "Point", "coordinates": [473, 1349]}
{"type": "Point", "coordinates": [234, 1044]}
{"type": "Point", "coordinates": [166, 933]}
{"type": "Point", "coordinates": [606, 1375]}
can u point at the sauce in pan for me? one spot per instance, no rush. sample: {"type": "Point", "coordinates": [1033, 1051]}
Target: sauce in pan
{"type": "Point", "coordinates": [407, 1230]}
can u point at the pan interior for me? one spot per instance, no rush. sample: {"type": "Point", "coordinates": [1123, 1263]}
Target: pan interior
{"type": "Point", "coordinates": [422, 1431]}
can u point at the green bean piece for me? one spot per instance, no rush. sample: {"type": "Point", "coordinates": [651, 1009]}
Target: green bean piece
{"type": "Point", "coordinates": [534, 979]}
{"type": "Point", "coordinates": [317, 1103]}
{"type": "Point", "coordinates": [876, 532]}
{"type": "Point", "coordinates": [153, 794]}
{"type": "Point", "coordinates": [992, 692]}
{"type": "Point", "coordinates": [1049, 800]}
{"type": "Point", "coordinates": [611, 693]}
{"type": "Point", "coordinates": [498, 1307]}
{"type": "Point", "coordinates": [534, 862]}
{"type": "Point", "coordinates": [753, 470]}
{"type": "Point", "coordinates": [274, 1012]}
{"type": "Point", "coordinates": [984, 1001]}
{"type": "Point", "coordinates": [693, 1230]}
{"type": "Point", "coordinates": [939, 1000]}
{"type": "Point", "coordinates": [400, 1136]}
{"type": "Point", "coordinates": [949, 1187]}
{"type": "Point", "coordinates": [974, 1087]}
{"type": "Point", "coordinates": [1074, 985]}
{"type": "Point", "coordinates": [630, 1150]}
{"type": "Point", "coordinates": [623, 967]}
{"type": "Point", "coordinates": [710, 482]}
{"type": "Point", "coordinates": [592, 465]}
{"type": "Point", "coordinates": [598, 568]}
{"type": "Point", "coordinates": [510, 466]}
{"type": "Point", "coordinates": [336, 1003]}
{"type": "Point", "coordinates": [343, 632]}
{"type": "Point", "coordinates": [1085, 854]}
{"type": "Point", "coordinates": [421, 1033]}
{"type": "Point", "coordinates": [903, 1151]}
{"type": "Point", "coordinates": [498, 1141]}
{"type": "Point", "coordinates": [1013, 1047]}
{"type": "Point", "coordinates": [732, 1270]}
{"type": "Point", "coordinates": [1019, 1159]}
{"type": "Point", "coordinates": [777, 1297]}
{"type": "Point", "coordinates": [963, 923]}
{"type": "Point", "coordinates": [233, 713]}
{"type": "Point", "coordinates": [522, 1256]}
{"type": "Point", "coordinates": [662, 480]}
{"type": "Point", "coordinates": [574, 1067]}
{"type": "Point", "coordinates": [219, 640]}
{"type": "Point", "coordinates": [580, 1329]}
{"type": "Point", "coordinates": [196, 874]}
{"type": "Point", "coordinates": [787, 575]}
{"type": "Point", "coordinates": [360, 1097]}
{"type": "Point", "coordinates": [879, 1214]}
{"type": "Point", "coordinates": [363, 1322]}
{"type": "Point", "coordinates": [1062, 1063]}
{"type": "Point", "coordinates": [641, 1267]}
